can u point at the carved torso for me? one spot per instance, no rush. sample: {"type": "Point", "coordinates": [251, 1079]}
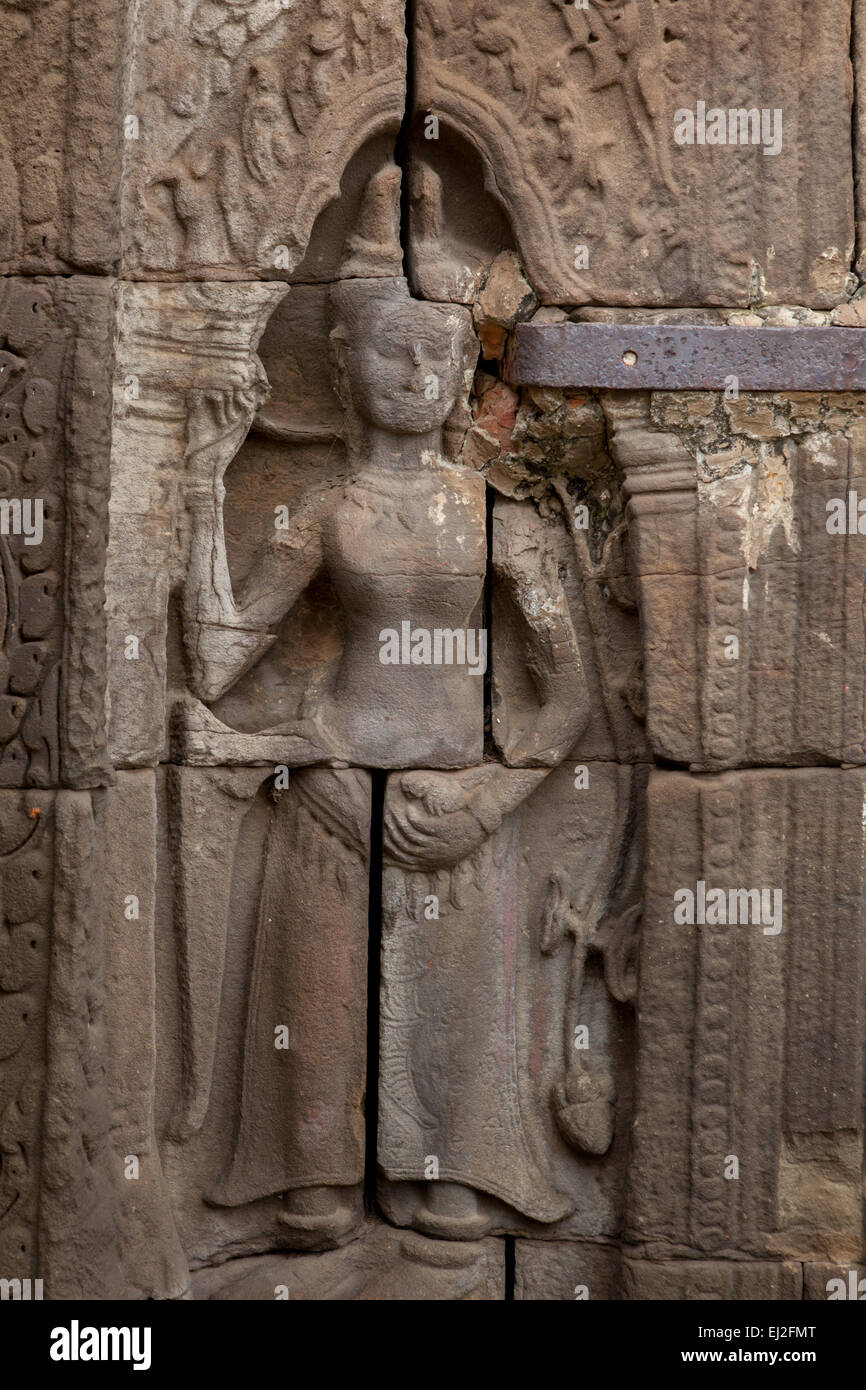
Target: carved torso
{"type": "Point", "coordinates": [406, 548]}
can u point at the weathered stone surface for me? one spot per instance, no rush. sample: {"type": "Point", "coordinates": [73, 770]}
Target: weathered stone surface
{"type": "Point", "coordinates": [566, 643]}
{"type": "Point", "coordinates": [748, 1124]}
{"type": "Point", "coordinates": [566, 1270]}
{"type": "Point", "coordinates": [201, 140]}
{"type": "Point", "coordinates": [402, 585]}
{"type": "Point", "coordinates": [186, 388]}
{"type": "Point", "coordinates": [852, 315]}
{"type": "Point", "coordinates": [858, 53]}
{"type": "Point", "coordinates": [263, 1007]}
{"type": "Point", "coordinates": [713, 1280]}
{"type": "Point", "coordinates": [248, 114]}
{"type": "Point", "coordinates": [330, 623]}
{"type": "Point", "coordinates": [505, 299]}
{"type": "Point", "coordinates": [508, 957]}
{"type": "Point", "coordinates": [823, 1282]}
{"type": "Point", "coordinates": [208, 810]}
{"type": "Point", "coordinates": [753, 626]}
{"type": "Point", "coordinates": [80, 1238]}
{"type": "Point", "coordinates": [301, 1128]}
{"type": "Point", "coordinates": [154, 1263]}
{"type": "Point", "coordinates": [54, 441]}
{"type": "Point", "coordinates": [61, 149]}
{"type": "Point", "coordinates": [26, 879]}
{"type": "Point", "coordinates": [569, 110]}
{"type": "Point", "coordinates": [541, 702]}
{"type": "Point", "coordinates": [80, 1071]}
{"type": "Point", "coordinates": [383, 1264]}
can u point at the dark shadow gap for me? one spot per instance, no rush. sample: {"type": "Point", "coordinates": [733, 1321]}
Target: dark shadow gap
{"type": "Point", "coordinates": [510, 1267]}
{"type": "Point", "coordinates": [402, 151]}
{"type": "Point", "coordinates": [489, 745]}
{"type": "Point", "coordinates": [374, 971]}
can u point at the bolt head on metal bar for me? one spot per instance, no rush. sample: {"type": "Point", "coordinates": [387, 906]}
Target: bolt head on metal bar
{"type": "Point", "coordinates": [687, 358]}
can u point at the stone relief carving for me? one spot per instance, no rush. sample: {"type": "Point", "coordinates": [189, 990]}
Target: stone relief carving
{"type": "Point", "coordinates": [737, 493]}
{"type": "Point", "coordinates": [26, 866]}
{"type": "Point", "coordinates": [363, 716]}
{"type": "Point", "coordinates": [384, 1264]}
{"type": "Point", "coordinates": [60, 74]}
{"type": "Point", "coordinates": [399, 530]}
{"type": "Point", "coordinates": [385, 401]}
{"type": "Point", "coordinates": [570, 108]}
{"type": "Point", "coordinates": [237, 105]}
{"type": "Point", "coordinates": [185, 353]}
{"type": "Point", "coordinates": [54, 429]}
{"type": "Point", "coordinates": [30, 596]}
{"type": "Point", "coordinates": [799, 1136]}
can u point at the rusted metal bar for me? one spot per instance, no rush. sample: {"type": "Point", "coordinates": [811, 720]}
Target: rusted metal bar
{"type": "Point", "coordinates": [686, 358]}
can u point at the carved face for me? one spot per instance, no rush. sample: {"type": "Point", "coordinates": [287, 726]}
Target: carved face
{"type": "Point", "coordinates": [402, 358]}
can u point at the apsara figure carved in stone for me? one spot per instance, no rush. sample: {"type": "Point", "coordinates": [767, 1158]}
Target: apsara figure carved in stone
{"type": "Point", "coordinates": [403, 540]}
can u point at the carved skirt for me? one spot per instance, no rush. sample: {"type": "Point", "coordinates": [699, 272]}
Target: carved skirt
{"type": "Point", "coordinates": [458, 1030]}
{"type": "Point", "coordinates": [302, 1107]}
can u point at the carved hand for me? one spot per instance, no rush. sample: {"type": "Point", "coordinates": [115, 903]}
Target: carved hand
{"type": "Point", "coordinates": [438, 818]}
{"type": "Point", "coordinates": [217, 423]}
{"type": "Point", "coordinates": [428, 821]}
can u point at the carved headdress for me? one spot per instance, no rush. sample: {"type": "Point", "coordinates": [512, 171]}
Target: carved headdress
{"type": "Point", "coordinates": [373, 297]}
{"type": "Point", "coordinates": [373, 249]}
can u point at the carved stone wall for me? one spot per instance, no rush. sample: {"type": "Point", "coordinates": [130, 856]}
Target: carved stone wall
{"type": "Point", "coordinates": [431, 809]}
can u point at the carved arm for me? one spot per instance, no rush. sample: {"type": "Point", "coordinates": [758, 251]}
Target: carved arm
{"type": "Point", "coordinates": [526, 568]}
{"type": "Point", "coordinates": [225, 636]}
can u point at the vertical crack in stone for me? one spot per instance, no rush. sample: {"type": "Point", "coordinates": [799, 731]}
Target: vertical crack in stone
{"type": "Point", "coordinates": [374, 971]}
{"type": "Point", "coordinates": [510, 1267]}
{"type": "Point", "coordinates": [402, 148]}
{"type": "Point", "coordinates": [858, 127]}
{"type": "Point", "coordinates": [489, 746]}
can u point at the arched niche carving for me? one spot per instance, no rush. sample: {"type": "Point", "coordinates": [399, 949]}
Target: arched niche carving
{"type": "Point", "coordinates": [245, 115]}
